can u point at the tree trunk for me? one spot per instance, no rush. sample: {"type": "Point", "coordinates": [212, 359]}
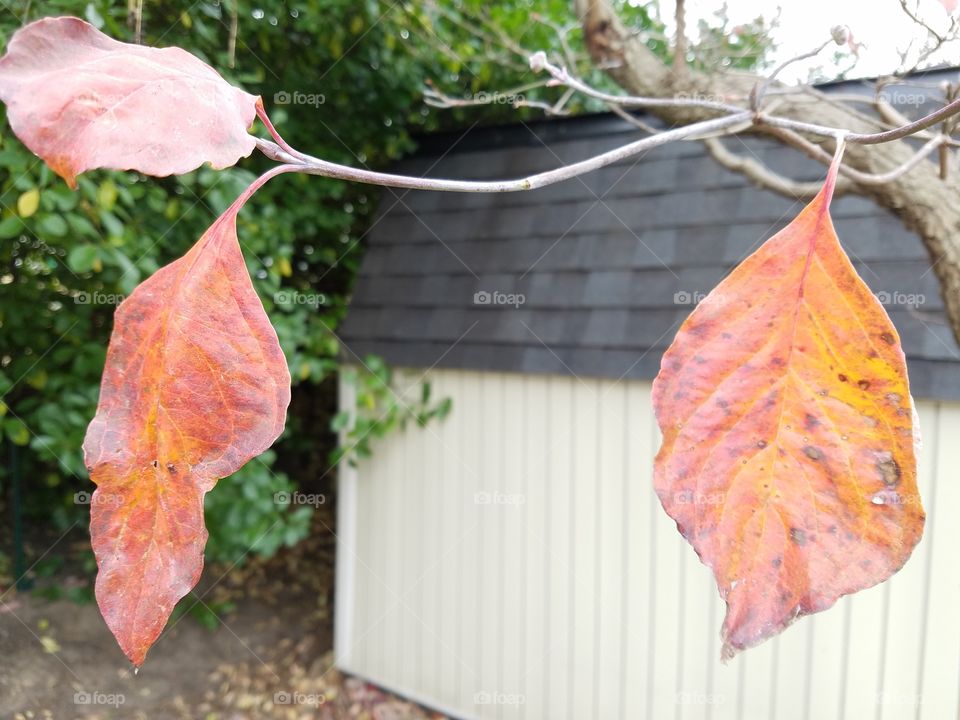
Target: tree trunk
{"type": "Point", "coordinates": [927, 205]}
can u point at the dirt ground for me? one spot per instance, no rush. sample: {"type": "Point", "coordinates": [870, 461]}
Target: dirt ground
{"type": "Point", "coordinates": [269, 657]}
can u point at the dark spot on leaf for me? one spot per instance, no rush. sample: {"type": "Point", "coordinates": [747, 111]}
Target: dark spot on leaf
{"type": "Point", "coordinates": [889, 469]}
{"type": "Point", "coordinates": [777, 561]}
{"type": "Point", "coordinates": [155, 463]}
{"type": "Point", "coordinates": [841, 377]}
{"type": "Point", "coordinates": [863, 384]}
{"type": "Point", "coordinates": [171, 468]}
{"type": "Point", "coordinates": [812, 452]}
{"type": "Point", "coordinates": [722, 403]}
{"type": "Point", "coordinates": [887, 338]}
{"type": "Point", "coordinates": [761, 443]}
{"type": "Point", "coordinates": [798, 536]}
{"type": "Point", "coordinates": [810, 422]}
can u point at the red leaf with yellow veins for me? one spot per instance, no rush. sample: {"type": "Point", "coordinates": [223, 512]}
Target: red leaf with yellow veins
{"type": "Point", "coordinates": [82, 100]}
{"type": "Point", "coordinates": [194, 386]}
{"type": "Point", "coordinates": [788, 457]}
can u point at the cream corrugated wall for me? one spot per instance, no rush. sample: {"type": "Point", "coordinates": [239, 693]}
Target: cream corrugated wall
{"type": "Point", "coordinates": [513, 561]}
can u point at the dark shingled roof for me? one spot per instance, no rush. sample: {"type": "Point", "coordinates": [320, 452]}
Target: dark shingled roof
{"type": "Point", "coordinates": [609, 264]}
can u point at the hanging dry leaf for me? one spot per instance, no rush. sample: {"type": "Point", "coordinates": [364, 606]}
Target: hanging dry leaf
{"type": "Point", "coordinates": [195, 385]}
{"type": "Point", "coordinates": [82, 100]}
{"type": "Point", "coordinates": [788, 456]}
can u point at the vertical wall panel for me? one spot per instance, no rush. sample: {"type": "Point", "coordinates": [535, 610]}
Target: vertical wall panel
{"type": "Point", "coordinates": [698, 628]}
{"type": "Point", "coordinates": [513, 562]}
{"type": "Point", "coordinates": [559, 545]}
{"type": "Point", "coordinates": [430, 549]}
{"type": "Point", "coordinates": [611, 482]}
{"type": "Point", "coordinates": [540, 488]}
{"type": "Point", "coordinates": [667, 620]}
{"type": "Point", "coordinates": [583, 530]}
{"type": "Point", "coordinates": [470, 557]}
{"type": "Point", "coordinates": [415, 629]}
{"type": "Point", "coordinates": [639, 550]}
{"type": "Point", "coordinates": [512, 551]}
{"type": "Point", "coordinates": [825, 664]}
{"type": "Point", "coordinates": [489, 621]}
{"type": "Point", "coordinates": [450, 528]}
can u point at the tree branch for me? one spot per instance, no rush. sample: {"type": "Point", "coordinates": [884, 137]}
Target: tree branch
{"type": "Point", "coordinates": [680, 46]}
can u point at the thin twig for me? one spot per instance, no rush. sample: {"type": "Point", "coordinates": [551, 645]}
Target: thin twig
{"type": "Point", "coordinates": [764, 176]}
{"type": "Point", "coordinates": [818, 153]}
{"type": "Point", "coordinates": [761, 89]}
{"type": "Point", "coordinates": [903, 131]}
{"type": "Point", "coordinates": [561, 76]}
{"type": "Point", "coordinates": [234, 28]}
{"type": "Point", "coordinates": [316, 166]}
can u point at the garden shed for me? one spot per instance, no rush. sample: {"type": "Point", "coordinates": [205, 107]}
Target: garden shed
{"type": "Point", "coordinates": [512, 560]}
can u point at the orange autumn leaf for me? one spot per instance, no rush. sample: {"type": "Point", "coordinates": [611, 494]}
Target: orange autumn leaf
{"type": "Point", "coordinates": [788, 457]}
{"type": "Point", "coordinates": [82, 100]}
{"type": "Point", "coordinates": [194, 386]}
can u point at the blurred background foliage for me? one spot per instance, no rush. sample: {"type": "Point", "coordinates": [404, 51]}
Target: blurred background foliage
{"type": "Point", "coordinates": [361, 67]}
